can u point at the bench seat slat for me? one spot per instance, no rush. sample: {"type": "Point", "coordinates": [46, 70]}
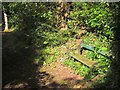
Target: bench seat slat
{"type": "Point", "coordinates": [83, 60]}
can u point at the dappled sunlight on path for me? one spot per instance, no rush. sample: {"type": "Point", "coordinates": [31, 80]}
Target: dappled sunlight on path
{"type": "Point", "coordinates": [62, 74]}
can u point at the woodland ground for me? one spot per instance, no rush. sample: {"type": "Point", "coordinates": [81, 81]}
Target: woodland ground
{"type": "Point", "coordinates": [20, 71]}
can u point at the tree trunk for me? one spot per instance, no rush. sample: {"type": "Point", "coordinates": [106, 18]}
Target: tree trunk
{"type": "Point", "coordinates": [6, 21]}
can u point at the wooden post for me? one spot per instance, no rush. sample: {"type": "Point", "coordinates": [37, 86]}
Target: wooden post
{"type": "Point", "coordinates": [5, 20]}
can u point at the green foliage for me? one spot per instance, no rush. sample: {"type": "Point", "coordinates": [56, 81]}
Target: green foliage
{"type": "Point", "coordinates": [35, 25]}
{"type": "Point", "coordinates": [103, 62]}
{"type": "Point", "coordinates": [35, 22]}
{"type": "Point", "coordinates": [31, 14]}
{"type": "Point", "coordinates": [77, 66]}
{"type": "Point", "coordinates": [50, 37]}
{"type": "Point", "coordinates": [98, 20]}
{"type": "Point", "coordinates": [51, 54]}
{"type": "Point", "coordinates": [97, 17]}
{"type": "Point", "coordinates": [100, 43]}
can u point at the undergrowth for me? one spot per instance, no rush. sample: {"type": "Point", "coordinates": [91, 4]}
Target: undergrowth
{"type": "Point", "coordinates": [77, 67]}
{"type": "Point", "coordinates": [103, 62]}
{"type": "Point", "coordinates": [100, 43]}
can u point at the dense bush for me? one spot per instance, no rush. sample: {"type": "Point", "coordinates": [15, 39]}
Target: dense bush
{"type": "Point", "coordinates": [33, 21]}
{"type": "Point", "coordinates": [34, 25]}
{"type": "Point", "coordinates": [98, 20]}
{"type": "Point", "coordinates": [101, 20]}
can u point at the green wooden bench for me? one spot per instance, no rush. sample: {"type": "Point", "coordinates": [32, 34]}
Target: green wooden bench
{"type": "Point", "coordinates": [79, 57]}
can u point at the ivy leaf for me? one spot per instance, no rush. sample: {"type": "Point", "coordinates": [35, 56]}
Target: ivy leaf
{"type": "Point", "coordinates": [103, 49]}
{"type": "Point", "coordinates": [45, 42]}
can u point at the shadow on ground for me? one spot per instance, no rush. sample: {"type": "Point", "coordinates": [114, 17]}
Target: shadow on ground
{"type": "Point", "coordinates": [19, 68]}
{"type": "Point", "coordinates": [18, 63]}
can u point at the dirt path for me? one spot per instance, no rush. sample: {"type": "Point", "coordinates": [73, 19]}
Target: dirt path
{"type": "Point", "coordinates": [55, 75]}
{"type": "Point", "coordinates": [62, 75]}
{"type": "Point", "coordinates": [59, 74]}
